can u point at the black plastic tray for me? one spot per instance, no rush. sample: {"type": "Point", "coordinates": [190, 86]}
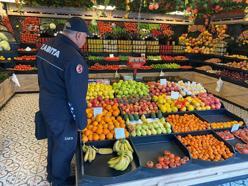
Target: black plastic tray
{"type": "Point", "coordinates": [203, 162]}
{"type": "Point", "coordinates": [99, 167]}
{"type": "Point", "coordinates": [151, 147]}
{"type": "Point", "coordinates": [221, 115]}
{"type": "Point", "coordinates": [233, 142]}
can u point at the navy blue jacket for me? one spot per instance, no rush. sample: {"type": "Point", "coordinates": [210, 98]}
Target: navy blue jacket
{"type": "Point", "coordinates": [63, 81]}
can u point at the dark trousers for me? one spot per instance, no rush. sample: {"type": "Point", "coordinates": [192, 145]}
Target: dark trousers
{"type": "Point", "coordinates": [62, 140]}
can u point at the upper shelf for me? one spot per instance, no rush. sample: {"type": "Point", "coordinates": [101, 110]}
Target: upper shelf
{"type": "Point", "coordinates": [54, 12]}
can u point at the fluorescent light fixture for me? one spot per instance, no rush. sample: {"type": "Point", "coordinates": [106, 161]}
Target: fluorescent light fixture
{"type": "Point", "coordinates": [8, 1]}
{"type": "Point", "coordinates": [102, 7]}
{"type": "Point", "coordinates": [179, 13]}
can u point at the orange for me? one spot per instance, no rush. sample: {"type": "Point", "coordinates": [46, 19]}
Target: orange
{"type": "Point", "coordinates": [90, 137]}
{"type": "Point", "coordinates": [105, 131]}
{"type": "Point", "coordinates": [99, 131]}
{"type": "Point", "coordinates": [109, 114]}
{"type": "Point", "coordinates": [110, 136]}
{"type": "Point", "coordinates": [94, 129]}
{"type": "Point", "coordinates": [102, 137]}
{"type": "Point", "coordinates": [95, 123]}
{"type": "Point", "coordinates": [122, 125]}
{"type": "Point", "coordinates": [111, 127]}
{"type": "Point", "coordinates": [87, 132]}
{"type": "Point", "coordinates": [107, 119]}
{"type": "Point", "coordinates": [85, 139]}
{"type": "Point", "coordinates": [126, 134]}
{"type": "Point", "coordinates": [95, 137]}
{"type": "Point", "coordinates": [108, 107]}
{"type": "Point", "coordinates": [115, 107]}
{"type": "Point", "coordinates": [105, 126]}
{"type": "Point", "coordinates": [119, 118]}
{"type": "Point", "coordinates": [116, 113]}
{"type": "Point", "coordinates": [98, 118]}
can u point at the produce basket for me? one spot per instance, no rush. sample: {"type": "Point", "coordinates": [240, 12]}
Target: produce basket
{"type": "Point", "coordinates": [99, 167]}
{"type": "Point", "coordinates": [110, 46]}
{"type": "Point", "coordinates": [206, 162]}
{"type": "Point", "coordinates": [124, 46]}
{"type": "Point", "coordinates": [95, 45]}
{"type": "Point", "coordinates": [158, 144]}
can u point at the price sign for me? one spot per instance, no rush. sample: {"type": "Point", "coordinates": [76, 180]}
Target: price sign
{"type": "Point", "coordinates": [120, 133]}
{"type": "Point", "coordinates": [235, 128]}
{"type": "Point", "coordinates": [174, 95]}
{"type": "Point", "coordinates": [219, 85]}
{"type": "Point", "coordinates": [163, 81]}
{"type": "Point", "coordinates": [111, 55]}
{"type": "Point", "coordinates": [97, 111]}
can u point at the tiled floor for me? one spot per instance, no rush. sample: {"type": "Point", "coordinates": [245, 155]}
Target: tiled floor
{"type": "Point", "coordinates": [22, 157]}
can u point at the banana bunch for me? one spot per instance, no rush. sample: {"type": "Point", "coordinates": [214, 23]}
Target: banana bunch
{"type": "Point", "coordinates": [91, 151]}
{"type": "Point", "coordinates": [122, 145]}
{"type": "Point", "coordinates": [122, 161]}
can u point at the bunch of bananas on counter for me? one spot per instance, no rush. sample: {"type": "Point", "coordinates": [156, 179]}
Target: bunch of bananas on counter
{"type": "Point", "coordinates": [91, 151]}
{"type": "Point", "coordinates": [122, 145]}
{"type": "Point", "coordinates": [125, 155]}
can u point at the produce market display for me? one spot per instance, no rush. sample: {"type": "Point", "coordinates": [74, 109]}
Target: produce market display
{"type": "Point", "coordinates": [167, 89]}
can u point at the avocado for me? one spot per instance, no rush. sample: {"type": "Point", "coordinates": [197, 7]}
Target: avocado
{"type": "Point", "coordinates": [125, 116]}
{"type": "Point", "coordinates": [153, 115]}
{"type": "Point", "coordinates": [159, 114]}
{"type": "Point", "coordinates": [131, 118]}
{"type": "Point", "coordinates": [136, 117]}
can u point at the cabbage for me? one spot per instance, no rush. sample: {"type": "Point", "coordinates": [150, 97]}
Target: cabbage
{"type": "Point", "coordinates": [3, 37]}
{"type": "Point", "coordinates": [5, 45]}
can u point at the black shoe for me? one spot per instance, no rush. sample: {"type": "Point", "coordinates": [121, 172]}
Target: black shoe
{"type": "Point", "coordinates": [71, 181]}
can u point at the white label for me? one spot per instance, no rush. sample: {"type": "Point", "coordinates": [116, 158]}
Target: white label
{"type": "Point", "coordinates": [97, 111]}
{"type": "Point", "coordinates": [162, 73]}
{"type": "Point", "coordinates": [15, 80]}
{"type": "Point", "coordinates": [219, 85]}
{"type": "Point", "coordinates": [235, 127]}
{"type": "Point", "coordinates": [163, 81]}
{"type": "Point", "coordinates": [174, 95]}
{"type": "Point", "coordinates": [120, 133]}
{"type": "Point", "coordinates": [111, 55]}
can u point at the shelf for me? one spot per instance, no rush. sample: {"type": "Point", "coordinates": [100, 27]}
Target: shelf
{"type": "Point", "coordinates": [57, 12]}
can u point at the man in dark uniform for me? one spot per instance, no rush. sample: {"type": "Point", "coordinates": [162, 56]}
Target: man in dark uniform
{"type": "Point", "coordinates": [63, 81]}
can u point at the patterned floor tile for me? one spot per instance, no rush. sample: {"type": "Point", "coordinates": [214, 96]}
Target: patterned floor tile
{"type": "Point", "coordinates": [21, 155]}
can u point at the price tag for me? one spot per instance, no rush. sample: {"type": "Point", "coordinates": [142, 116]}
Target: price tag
{"type": "Point", "coordinates": [174, 95]}
{"type": "Point", "coordinates": [97, 111]}
{"type": "Point", "coordinates": [111, 55]}
{"type": "Point", "coordinates": [143, 55]}
{"type": "Point", "coordinates": [162, 73]}
{"type": "Point", "coordinates": [235, 128]}
{"type": "Point", "coordinates": [219, 85]}
{"type": "Point", "coordinates": [120, 133]}
{"type": "Point", "coordinates": [163, 81]}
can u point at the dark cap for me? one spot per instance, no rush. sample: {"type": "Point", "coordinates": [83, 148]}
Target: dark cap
{"type": "Point", "coordinates": [76, 24]}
